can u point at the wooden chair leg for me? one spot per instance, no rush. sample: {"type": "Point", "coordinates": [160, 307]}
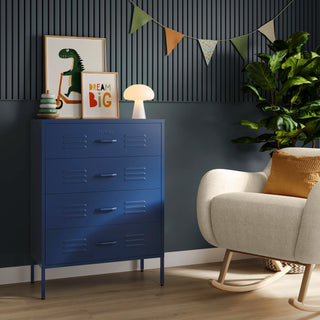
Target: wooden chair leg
{"type": "Point", "coordinates": [305, 282]}
{"type": "Point", "coordinates": [219, 284]}
{"type": "Point", "coordinates": [225, 265]}
{"type": "Point", "coordinates": [299, 303]}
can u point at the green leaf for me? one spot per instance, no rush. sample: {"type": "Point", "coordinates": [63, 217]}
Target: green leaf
{"type": "Point", "coordinates": [296, 95]}
{"type": "Point", "coordinates": [265, 137]}
{"type": "Point", "coordinates": [265, 123]}
{"type": "Point", "coordinates": [278, 45]}
{"type": "Point", "coordinates": [309, 110]}
{"type": "Point", "coordinates": [261, 138]}
{"type": "Point", "coordinates": [312, 78]}
{"type": "Point", "coordinates": [295, 81]}
{"type": "Point", "coordinates": [275, 60]}
{"type": "Point", "coordinates": [282, 123]}
{"type": "Point", "coordinates": [276, 109]}
{"type": "Point", "coordinates": [307, 115]}
{"type": "Point", "coordinates": [302, 64]}
{"type": "Point", "coordinates": [248, 87]}
{"type": "Point", "coordinates": [297, 40]}
{"type": "Point", "coordinates": [261, 75]}
{"type": "Point", "coordinates": [309, 55]}
{"type": "Point", "coordinates": [313, 104]}
{"type": "Point", "coordinates": [310, 66]}
{"type": "Point", "coordinates": [271, 108]}
{"type": "Point", "coordinates": [318, 50]}
{"type": "Point", "coordinates": [249, 124]}
{"type": "Point", "coordinates": [245, 140]}
{"type": "Point", "coordinates": [268, 146]}
{"type": "Point", "coordinates": [275, 123]}
{"type": "Point", "coordinates": [283, 75]}
{"type": "Point", "coordinates": [312, 130]}
{"type": "Point", "coordinates": [294, 63]}
{"type": "Point", "coordinates": [265, 57]}
{"type": "Point", "coordinates": [284, 141]}
{"type": "Point", "coordinates": [290, 135]}
{"type": "Point", "coordinates": [289, 123]}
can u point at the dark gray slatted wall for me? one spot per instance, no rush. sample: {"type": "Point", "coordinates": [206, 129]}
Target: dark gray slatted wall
{"type": "Point", "coordinates": [141, 57]}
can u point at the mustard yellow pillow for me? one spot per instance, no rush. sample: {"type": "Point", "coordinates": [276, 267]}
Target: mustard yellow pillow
{"type": "Point", "coordinates": [292, 175]}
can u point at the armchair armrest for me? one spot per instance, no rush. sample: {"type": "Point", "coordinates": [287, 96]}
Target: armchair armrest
{"type": "Point", "coordinates": [307, 248]}
{"type": "Point", "coordinates": [220, 181]}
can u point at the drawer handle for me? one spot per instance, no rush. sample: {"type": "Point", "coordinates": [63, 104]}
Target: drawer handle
{"type": "Point", "coordinates": [107, 175]}
{"type": "Point", "coordinates": [105, 210]}
{"type": "Point", "coordinates": [106, 140]}
{"type": "Point", "coordinates": [106, 243]}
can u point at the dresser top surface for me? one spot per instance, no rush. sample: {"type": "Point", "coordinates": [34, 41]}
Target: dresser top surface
{"type": "Point", "coordinates": [97, 121]}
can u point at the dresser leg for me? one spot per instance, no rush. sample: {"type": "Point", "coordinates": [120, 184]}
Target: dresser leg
{"type": "Point", "coordinates": [162, 270]}
{"type": "Point", "coordinates": [43, 283]}
{"type": "Point", "coordinates": [32, 271]}
{"type": "Point", "coordinates": [141, 265]}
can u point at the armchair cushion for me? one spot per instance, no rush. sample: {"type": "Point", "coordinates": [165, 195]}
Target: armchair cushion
{"type": "Point", "coordinates": [292, 175]}
{"type": "Point", "coordinates": [257, 223]}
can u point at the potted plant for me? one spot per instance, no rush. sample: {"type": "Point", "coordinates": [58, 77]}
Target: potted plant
{"type": "Point", "coordinates": [287, 87]}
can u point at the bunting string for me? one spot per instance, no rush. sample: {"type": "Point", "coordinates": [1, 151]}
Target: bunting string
{"type": "Point", "coordinates": [208, 46]}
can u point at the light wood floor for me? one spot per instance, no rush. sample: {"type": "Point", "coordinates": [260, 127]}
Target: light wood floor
{"type": "Point", "coordinates": [135, 295]}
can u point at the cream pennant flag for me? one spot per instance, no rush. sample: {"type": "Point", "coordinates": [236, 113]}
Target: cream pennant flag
{"type": "Point", "coordinates": [268, 30]}
{"type": "Point", "coordinates": [172, 39]}
{"type": "Point", "coordinates": [207, 47]}
{"type": "Point", "coordinates": [139, 18]}
{"type": "Point", "coordinates": [241, 44]}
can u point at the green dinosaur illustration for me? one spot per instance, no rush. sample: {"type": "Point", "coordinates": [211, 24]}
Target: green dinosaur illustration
{"type": "Point", "coordinates": [75, 71]}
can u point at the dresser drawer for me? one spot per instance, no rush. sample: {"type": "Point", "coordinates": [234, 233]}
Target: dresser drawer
{"type": "Point", "coordinates": [104, 140]}
{"type": "Point", "coordinates": [88, 245]}
{"type": "Point", "coordinates": [103, 208]}
{"type": "Point", "coordinates": [102, 174]}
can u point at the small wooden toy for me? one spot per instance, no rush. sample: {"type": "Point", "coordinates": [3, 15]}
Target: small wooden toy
{"type": "Point", "coordinates": [47, 108]}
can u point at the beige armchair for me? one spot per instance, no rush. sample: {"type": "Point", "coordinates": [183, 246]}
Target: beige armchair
{"type": "Point", "coordinates": [233, 213]}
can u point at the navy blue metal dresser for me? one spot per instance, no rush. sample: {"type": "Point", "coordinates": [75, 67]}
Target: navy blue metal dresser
{"type": "Point", "coordinates": [97, 192]}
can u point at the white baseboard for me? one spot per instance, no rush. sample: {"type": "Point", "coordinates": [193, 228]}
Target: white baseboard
{"type": "Point", "coordinates": [172, 259]}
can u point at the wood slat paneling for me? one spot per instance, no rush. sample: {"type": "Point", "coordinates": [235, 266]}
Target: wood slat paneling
{"type": "Point", "coordinates": [141, 57]}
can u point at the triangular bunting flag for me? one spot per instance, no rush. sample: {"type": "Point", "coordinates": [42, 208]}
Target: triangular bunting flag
{"type": "Point", "coordinates": [207, 47]}
{"type": "Point", "coordinates": [139, 18]}
{"type": "Point", "coordinates": [172, 38]}
{"type": "Point", "coordinates": [241, 44]}
{"type": "Point", "coordinates": [268, 30]}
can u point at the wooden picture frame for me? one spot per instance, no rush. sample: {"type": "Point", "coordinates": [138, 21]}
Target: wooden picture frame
{"type": "Point", "coordinates": [100, 95]}
{"type": "Point", "coordinates": [65, 59]}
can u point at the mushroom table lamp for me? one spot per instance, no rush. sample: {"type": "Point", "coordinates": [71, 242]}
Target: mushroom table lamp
{"type": "Point", "coordinates": [138, 93]}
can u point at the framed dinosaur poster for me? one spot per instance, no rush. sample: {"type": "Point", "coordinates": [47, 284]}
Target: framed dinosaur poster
{"type": "Point", "coordinates": [65, 59]}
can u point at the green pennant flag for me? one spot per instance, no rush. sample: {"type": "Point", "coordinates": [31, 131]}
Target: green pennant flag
{"type": "Point", "coordinates": [139, 18]}
{"type": "Point", "coordinates": [241, 44]}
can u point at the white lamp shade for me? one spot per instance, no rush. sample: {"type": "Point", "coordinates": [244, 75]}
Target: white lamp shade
{"type": "Point", "coordinates": [138, 92]}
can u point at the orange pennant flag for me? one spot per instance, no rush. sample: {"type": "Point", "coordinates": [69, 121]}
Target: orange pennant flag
{"type": "Point", "coordinates": [172, 38]}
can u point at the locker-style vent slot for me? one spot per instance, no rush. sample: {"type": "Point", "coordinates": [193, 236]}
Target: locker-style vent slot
{"type": "Point", "coordinates": [135, 141]}
{"type": "Point", "coordinates": [74, 142]}
{"type": "Point", "coordinates": [135, 174]}
{"type": "Point", "coordinates": [74, 246]}
{"type": "Point", "coordinates": [135, 240]}
{"type": "Point", "coordinates": [74, 211]}
{"type": "Point", "coordinates": [135, 207]}
{"type": "Point", "coordinates": [74, 176]}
